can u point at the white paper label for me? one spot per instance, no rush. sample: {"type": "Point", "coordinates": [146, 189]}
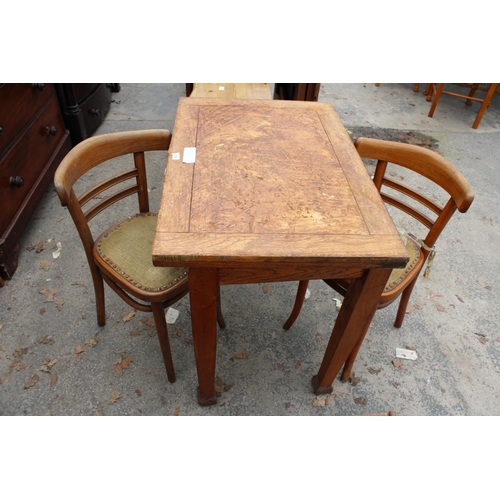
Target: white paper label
{"type": "Point", "coordinates": [221, 88]}
{"type": "Point", "coordinates": [189, 155]}
{"type": "Point", "coordinates": [172, 315]}
{"type": "Point", "coordinates": [176, 156]}
{"type": "Point", "coordinates": [405, 354]}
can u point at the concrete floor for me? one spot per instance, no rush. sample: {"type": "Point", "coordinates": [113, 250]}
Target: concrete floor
{"type": "Point", "coordinates": [453, 325]}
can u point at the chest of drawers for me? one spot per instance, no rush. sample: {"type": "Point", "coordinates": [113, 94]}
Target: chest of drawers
{"type": "Point", "coordinates": [33, 141]}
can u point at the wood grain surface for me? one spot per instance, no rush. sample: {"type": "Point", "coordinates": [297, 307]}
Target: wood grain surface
{"type": "Point", "coordinates": [274, 182]}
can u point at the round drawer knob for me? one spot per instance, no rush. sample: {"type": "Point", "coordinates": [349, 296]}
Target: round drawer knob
{"type": "Point", "coordinates": [94, 112]}
{"type": "Point", "coordinates": [16, 182]}
{"type": "Point", "coordinates": [38, 86]}
{"type": "Point", "coordinates": [51, 130]}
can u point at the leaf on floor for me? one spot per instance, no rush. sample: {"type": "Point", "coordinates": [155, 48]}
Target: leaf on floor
{"type": "Point", "coordinates": [39, 247]}
{"type": "Point", "coordinates": [19, 353]}
{"type": "Point", "coordinates": [50, 295]}
{"type": "Point", "coordinates": [265, 288]}
{"type": "Point", "coordinates": [98, 411]}
{"type": "Point", "coordinates": [318, 338]}
{"type": "Point", "coordinates": [397, 364]}
{"type": "Point", "coordinates": [240, 355]}
{"type": "Point", "coordinates": [319, 401]}
{"type": "Point", "coordinates": [46, 339]}
{"type": "Point", "coordinates": [128, 317]}
{"type": "Point", "coordinates": [45, 265]}
{"type": "Point", "coordinates": [59, 303]}
{"type": "Point", "coordinates": [324, 400]}
{"type": "Point", "coordinates": [221, 386]}
{"type": "Point", "coordinates": [31, 382]}
{"type": "Point", "coordinates": [353, 380]}
{"type": "Point", "coordinates": [47, 365]}
{"type": "Point", "coordinates": [79, 349]}
{"type": "Point", "coordinates": [92, 342]}
{"type": "Point", "coordinates": [177, 411]}
{"type": "Point", "coordinates": [374, 371]}
{"type": "Point", "coordinates": [298, 365]}
{"type": "Point", "coordinates": [16, 366]}
{"type": "Point", "coordinates": [115, 396]}
{"type": "Point", "coordinates": [360, 401]}
{"type": "Point", "coordinates": [125, 362]}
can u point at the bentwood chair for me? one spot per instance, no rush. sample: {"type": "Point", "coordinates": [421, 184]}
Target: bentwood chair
{"type": "Point", "coordinates": [121, 254]}
{"type": "Point", "coordinates": [420, 210]}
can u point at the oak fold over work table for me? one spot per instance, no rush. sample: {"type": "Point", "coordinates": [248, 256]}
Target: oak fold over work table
{"type": "Point", "coordinates": [277, 192]}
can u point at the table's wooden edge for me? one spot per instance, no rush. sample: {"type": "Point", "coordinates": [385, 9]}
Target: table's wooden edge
{"type": "Point", "coordinates": [271, 103]}
{"type": "Point", "coordinates": [240, 90]}
{"type": "Point", "coordinates": [222, 250]}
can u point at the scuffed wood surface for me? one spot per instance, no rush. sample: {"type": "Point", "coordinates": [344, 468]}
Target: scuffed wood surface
{"type": "Point", "coordinates": [274, 182]}
{"type": "Point", "coordinates": [232, 90]}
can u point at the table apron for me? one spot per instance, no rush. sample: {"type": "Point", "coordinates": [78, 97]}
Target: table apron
{"type": "Point", "coordinates": [228, 276]}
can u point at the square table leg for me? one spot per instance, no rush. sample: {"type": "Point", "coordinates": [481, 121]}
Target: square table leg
{"type": "Point", "coordinates": [203, 301]}
{"type": "Point", "coordinates": [353, 321]}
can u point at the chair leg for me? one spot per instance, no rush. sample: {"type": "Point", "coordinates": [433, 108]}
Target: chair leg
{"type": "Point", "coordinates": [486, 103]}
{"type": "Point", "coordinates": [161, 328]}
{"type": "Point", "coordinates": [436, 99]}
{"type": "Point", "coordinates": [299, 300]}
{"type": "Point", "coordinates": [428, 92]}
{"type": "Point", "coordinates": [99, 295]}
{"type": "Point", "coordinates": [403, 303]}
{"type": "Point", "coordinates": [220, 318]}
{"type": "Point", "coordinates": [473, 89]}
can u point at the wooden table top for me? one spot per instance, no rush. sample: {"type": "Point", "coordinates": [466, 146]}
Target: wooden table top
{"type": "Point", "coordinates": [274, 183]}
{"type": "Point", "coordinates": [232, 90]}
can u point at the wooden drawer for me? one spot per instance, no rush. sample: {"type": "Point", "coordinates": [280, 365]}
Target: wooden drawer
{"type": "Point", "coordinates": [23, 164]}
{"type": "Point", "coordinates": [95, 108]}
{"type": "Point", "coordinates": [19, 102]}
{"type": "Point", "coordinates": [83, 90]}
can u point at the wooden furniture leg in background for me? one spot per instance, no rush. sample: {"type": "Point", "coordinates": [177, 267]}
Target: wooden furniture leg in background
{"type": "Point", "coordinates": [352, 323]}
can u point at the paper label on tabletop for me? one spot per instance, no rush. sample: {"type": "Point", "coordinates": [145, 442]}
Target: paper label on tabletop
{"type": "Point", "coordinates": [176, 156]}
{"type": "Point", "coordinates": [189, 155]}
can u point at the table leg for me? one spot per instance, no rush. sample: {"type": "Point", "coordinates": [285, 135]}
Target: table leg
{"type": "Point", "coordinates": [355, 316]}
{"type": "Point", "coordinates": [203, 300]}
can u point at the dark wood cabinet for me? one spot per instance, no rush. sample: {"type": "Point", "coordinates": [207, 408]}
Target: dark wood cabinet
{"type": "Point", "coordinates": [33, 141]}
{"type": "Point", "coordinates": [84, 106]}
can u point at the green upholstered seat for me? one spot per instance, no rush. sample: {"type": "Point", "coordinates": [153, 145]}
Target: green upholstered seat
{"type": "Point", "coordinates": [398, 275]}
{"type": "Point", "coordinates": [127, 248]}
